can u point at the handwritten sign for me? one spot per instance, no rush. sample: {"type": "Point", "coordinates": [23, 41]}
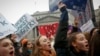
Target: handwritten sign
{"type": "Point", "coordinates": [24, 25]}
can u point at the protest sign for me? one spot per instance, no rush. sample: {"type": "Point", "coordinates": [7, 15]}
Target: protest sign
{"type": "Point", "coordinates": [24, 25]}
{"type": "Point", "coordinates": [6, 27]}
{"type": "Point", "coordinates": [87, 26]}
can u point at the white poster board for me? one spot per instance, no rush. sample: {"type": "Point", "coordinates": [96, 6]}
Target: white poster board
{"type": "Point", "coordinates": [24, 25]}
{"type": "Point", "coordinates": [6, 27]}
{"type": "Point", "coordinates": [87, 27]}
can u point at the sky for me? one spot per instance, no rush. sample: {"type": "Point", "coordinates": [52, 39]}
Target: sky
{"type": "Point", "coordinates": [12, 10]}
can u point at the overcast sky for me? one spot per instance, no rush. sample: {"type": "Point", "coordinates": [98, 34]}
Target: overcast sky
{"type": "Point", "coordinates": [12, 10]}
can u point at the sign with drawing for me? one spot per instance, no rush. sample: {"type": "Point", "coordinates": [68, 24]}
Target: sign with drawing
{"type": "Point", "coordinates": [6, 27]}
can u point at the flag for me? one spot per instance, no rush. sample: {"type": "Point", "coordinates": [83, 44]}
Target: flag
{"type": "Point", "coordinates": [48, 30]}
{"type": "Point", "coordinates": [41, 30]}
{"type": "Point", "coordinates": [78, 5]}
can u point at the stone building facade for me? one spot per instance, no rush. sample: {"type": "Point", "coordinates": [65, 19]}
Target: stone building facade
{"type": "Point", "coordinates": [97, 16]}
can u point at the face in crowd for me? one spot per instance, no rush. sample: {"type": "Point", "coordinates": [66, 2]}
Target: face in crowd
{"type": "Point", "coordinates": [13, 37]}
{"type": "Point", "coordinates": [44, 43]}
{"type": "Point", "coordinates": [6, 47]}
{"type": "Point", "coordinates": [29, 45]}
{"type": "Point", "coordinates": [79, 42]}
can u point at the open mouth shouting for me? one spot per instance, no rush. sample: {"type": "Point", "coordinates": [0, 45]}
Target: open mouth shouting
{"type": "Point", "coordinates": [11, 53]}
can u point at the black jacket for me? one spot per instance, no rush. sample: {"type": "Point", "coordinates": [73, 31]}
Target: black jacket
{"type": "Point", "coordinates": [61, 41]}
{"type": "Point", "coordinates": [17, 47]}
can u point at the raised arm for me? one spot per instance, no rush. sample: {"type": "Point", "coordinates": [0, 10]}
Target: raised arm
{"type": "Point", "coordinates": [61, 43]}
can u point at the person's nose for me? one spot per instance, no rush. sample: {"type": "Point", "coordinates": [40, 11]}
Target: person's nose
{"type": "Point", "coordinates": [11, 47]}
{"type": "Point", "coordinates": [86, 41]}
{"type": "Point", "coordinates": [48, 41]}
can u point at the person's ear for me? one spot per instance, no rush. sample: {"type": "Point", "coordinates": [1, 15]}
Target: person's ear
{"type": "Point", "coordinates": [73, 44]}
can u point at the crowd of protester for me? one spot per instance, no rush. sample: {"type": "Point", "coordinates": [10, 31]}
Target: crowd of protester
{"type": "Point", "coordinates": [68, 41]}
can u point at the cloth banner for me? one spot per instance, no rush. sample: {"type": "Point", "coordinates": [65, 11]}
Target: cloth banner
{"type": "Point", "coordinates": [48, 30]}
{"type": "Point", "coordinates": [79, 5]}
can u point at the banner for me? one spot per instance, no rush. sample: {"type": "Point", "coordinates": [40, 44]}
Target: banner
{"type": "Point", "coordinates": [48, 30]}
{"type": "Point", "coordinates": [78, 5]}
{"type": "Point", "coordinates": [80, 9]}
{"type": "Point", "coordinates": [6, 27]}
{"type": "Point", "coordinates": [85, 18]}
{"type": "Point", "coordinates": [24, 25]}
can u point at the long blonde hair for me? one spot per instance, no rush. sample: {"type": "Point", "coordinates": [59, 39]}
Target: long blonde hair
{"type": "Point", "coordinates": [36, 51]}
